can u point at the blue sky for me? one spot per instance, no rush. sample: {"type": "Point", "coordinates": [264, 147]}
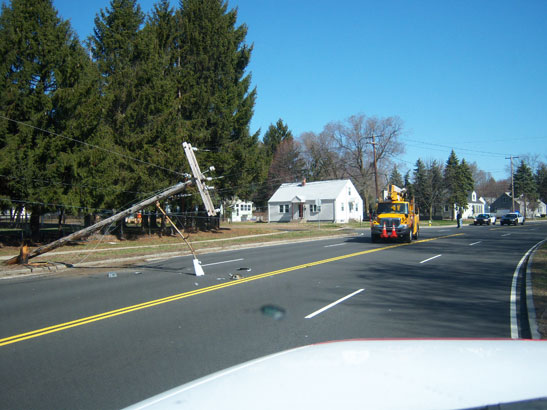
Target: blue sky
{"type": "Point", "coordinates": [467, 75]}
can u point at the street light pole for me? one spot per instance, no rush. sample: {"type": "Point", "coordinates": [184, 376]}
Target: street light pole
{"type": "Point", "coordinates": [375, 167]}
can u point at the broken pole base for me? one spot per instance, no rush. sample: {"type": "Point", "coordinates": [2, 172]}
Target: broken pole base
{"type": "Point", "coordinates": [197, 268]}
{"type": "Point", "coordinates": [22, 258]}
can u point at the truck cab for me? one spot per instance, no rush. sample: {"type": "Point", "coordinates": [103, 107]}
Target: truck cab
{"type": "Point", "coordinates": [395, 217]}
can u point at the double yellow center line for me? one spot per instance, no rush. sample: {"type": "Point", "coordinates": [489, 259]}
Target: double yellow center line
{"type": "Point", "coordinates": [122, 311]}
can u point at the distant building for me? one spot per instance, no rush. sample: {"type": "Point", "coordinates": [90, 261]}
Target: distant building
{"type": "Point", "coordinates": [475, 205]}
{"type": "Point", "coordinates": [241, 210]}
{"type": "Point", "coordinates": [329, 201]}
{"type": "Point", "coordinates": [503, 204]}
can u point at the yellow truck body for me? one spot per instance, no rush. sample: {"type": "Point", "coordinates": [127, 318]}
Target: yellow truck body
{"type": "Point", "coordinates": [396, 217]}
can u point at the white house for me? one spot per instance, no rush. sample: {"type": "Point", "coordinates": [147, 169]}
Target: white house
{"type": "Point", "coordinates": [334, 201]}
{"type": "Point", "coordinates": [241, 210]}
{"type": "Point", "coordinates": [475, 206]}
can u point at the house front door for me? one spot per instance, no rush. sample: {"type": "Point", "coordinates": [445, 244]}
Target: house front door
{"type": "Point", "coordinates": [300, 211]}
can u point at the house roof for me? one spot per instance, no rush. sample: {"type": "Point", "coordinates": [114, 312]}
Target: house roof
{"type": "Point", "coordinates": [310, 190]}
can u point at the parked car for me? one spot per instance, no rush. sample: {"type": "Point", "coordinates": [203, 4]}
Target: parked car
{"type": "Point", "coordinates": [512, 218]}
{"type": "Point", "coordinates": [485, 219]}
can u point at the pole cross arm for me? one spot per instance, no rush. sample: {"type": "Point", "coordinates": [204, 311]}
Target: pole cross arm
{"type": "Point", "coordinates": [199, 179]}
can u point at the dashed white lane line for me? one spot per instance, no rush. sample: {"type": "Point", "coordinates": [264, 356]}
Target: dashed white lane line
{"type": "Point", "coordinates": [429, 259]}
{"type": "Point", "coordinates": [219, 263]}
{"type": "Point", "coordinates": [333, 304]}
{"type": "Point", "coordinates": [336, 244]}
{"type": "Point", "coordinates": [506, 234]}
{"type": "Point", "coordinates": [474, 243]}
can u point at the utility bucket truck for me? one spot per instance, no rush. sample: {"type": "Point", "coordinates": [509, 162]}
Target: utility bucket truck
{"type": "Point", "coordinates": [396, 217]}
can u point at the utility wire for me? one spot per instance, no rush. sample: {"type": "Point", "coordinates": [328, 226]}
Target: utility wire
{"type": "Point", "coordinates": [52, 182]}
{"type": "Point", "coordinates": [91, 145]}
{"type": "Point", "coordinates": [454, 148]}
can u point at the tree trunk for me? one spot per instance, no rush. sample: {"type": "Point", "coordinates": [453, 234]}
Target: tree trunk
{"type": "Point", "coordinates": [154, 220]}
{"type": "Point", "coordinates": [88, 220]}
{"type": "Point", "coordinates": [145, 226]}
{"type": "Point", "coordinates": [60, 226]}
{"type": "Point", "coordinates": [35, 224]}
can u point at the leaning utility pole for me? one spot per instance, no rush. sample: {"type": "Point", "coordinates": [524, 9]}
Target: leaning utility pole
{"type": "Point", "coordinates": [512, 184]}
{"type": "Point", "coordinates": [197, 178]}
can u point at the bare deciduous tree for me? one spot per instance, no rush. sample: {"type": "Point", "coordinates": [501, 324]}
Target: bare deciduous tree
{"type": "Point", "coordinates": [321, 157]}
{"type": "Point", "coordinates": [287, 165]}
{"type": "Point", "coordinates": [352, 140]}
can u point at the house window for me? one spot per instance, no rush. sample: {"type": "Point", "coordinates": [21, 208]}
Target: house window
{"type": "Point", "coordinates": [342, 206]}
{"type": "Point", "coordinates": [349, 191]}
{"type": "Point", "coordinates": [356, 207]}
{"type": "Point", "coordinates": [446, 208]}
{"type": "Point", "coordinates": [351, 206]}
{"type": "Point", "coordinates": [314, 208]}
{"type": "Point", "coordinates": [283, 209]}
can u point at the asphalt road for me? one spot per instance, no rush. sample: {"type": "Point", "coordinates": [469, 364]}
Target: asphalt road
{"type": "Point", "coordinates": [86, 340]}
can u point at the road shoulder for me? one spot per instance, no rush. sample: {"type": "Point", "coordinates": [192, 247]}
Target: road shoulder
{"type": "Point", "coordinates": [539, 283]}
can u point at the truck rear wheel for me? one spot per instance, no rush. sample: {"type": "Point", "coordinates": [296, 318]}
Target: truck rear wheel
{"type": "Point", "coordinates": [417, 234]}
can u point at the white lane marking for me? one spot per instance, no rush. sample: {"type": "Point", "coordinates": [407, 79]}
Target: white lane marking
{"type": "Point", "coordinates": [219, 263]}
{"type": "Point", "coordinates": [513, 297]}
{"type": "Point", "coordinates": [434, 257]}
{"type": "Point", "coordinates": [336, 244]}
{"type": "Point", "coordinates": [506, 234]}
{"type": "Point", "coordinates": [333, 304]}
{"type": "Point", "coordinates": [474, 243]}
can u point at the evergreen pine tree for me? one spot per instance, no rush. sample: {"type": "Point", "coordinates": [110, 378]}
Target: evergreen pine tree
{"type": "Point", "coordinates": [466, 175]}
{"type": "Point", "coordinates": [395, 177]}
{"type": "Point", "coordinates": [435, 172]}
{"type": "Point", "coordinates": [525, 185]}
{"type": "Point", "coordinates": [422, 188]}
{"type": "Point", "coordinates": [212, 91]}
{"type": "Point", "coordinates": [133, 91]}
{"type": "Point", "coordinates": [458, 181]}
{"type": "Point", "coordinates": [408, 185]}
{"type": "Point", "coordinates": [275, 135]}
{"type": "Point", "coordinates": [541, 182]}
{"type": "Point", "coordinates": [44, 67]}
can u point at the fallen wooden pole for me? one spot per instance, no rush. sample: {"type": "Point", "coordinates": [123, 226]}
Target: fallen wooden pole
{"type": "Point", "coordinates": [93, 228]}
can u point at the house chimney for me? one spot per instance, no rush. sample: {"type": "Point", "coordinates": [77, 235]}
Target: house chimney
{"type": "Point", "coordinates": [304, 182]}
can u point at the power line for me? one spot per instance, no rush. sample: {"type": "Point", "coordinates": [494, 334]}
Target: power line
{"type": "Point", "coordinates": [52, 182]}
{"type": "Point", "coordinates": [91, 145]}
{"type": "Point", "coordinates": [454, 148]}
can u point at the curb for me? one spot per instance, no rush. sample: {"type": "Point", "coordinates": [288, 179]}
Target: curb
{"type": "Point", "coordinates": [530, 296]}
